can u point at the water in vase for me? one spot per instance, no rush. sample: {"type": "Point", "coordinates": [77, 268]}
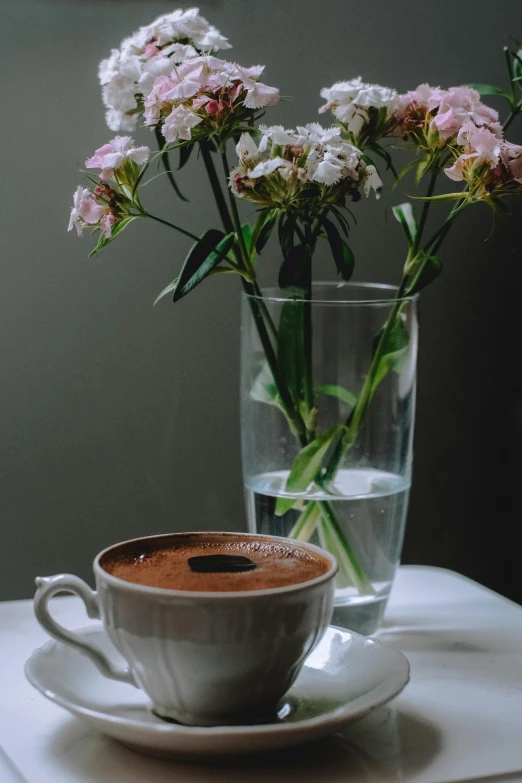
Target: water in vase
{"type": "Point", "coordinates": [370, 506]}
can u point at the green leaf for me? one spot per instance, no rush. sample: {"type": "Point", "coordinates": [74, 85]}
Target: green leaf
{"type": "Point", "coordinates": [385, 155]}
{"type": "Point", "coordinates": [422, 168]}
{"type": "Point", "coordinates": [404, 214]}
{"type": "Point", "coordinates": [286, 230]}
{"type": "Point", "coordinates": [306, 522]}
{"type": "Point", "coordinates": [517, 66]}
{"type": "Point", "coordinates": [170, 287]}
{"type": "Point", "coordinates": [488, 89]}
{"type": "Point", "coordinates": [308, 463]}
{"type": "Point", "coordinates": [341, 252]}
{"type": "Point", "coordinates": [402, 173]}
{"type": "Point", "coordinates": [247, 232]}
{"type": "Point", "coordinates": [343, 222]}
{"type": "Point", "coordinates": [200, 261]}
{"type": "Point", "coordinates": [293, 271]}
{"type": "Point", "coordinates": [442, 197]}
{"type": "Point", "coordinates": [283, 505]}
{"type": "Point", "coordinates": [263, 230]}
{"type": "Point", "coordinates": [118, 228]}
{"type": "Point", "coordinates": [333, 390]}
{"type": "Point", "coordinates": [264, 388]}
{"type": "Point", "coordinates": [290, 346]}
{"type": "Point", "coordinates": [394, 350]}
{"type": "Point", "coordinates": [429, 269]}
{"type": "Point", "coordinates": [185, 151]}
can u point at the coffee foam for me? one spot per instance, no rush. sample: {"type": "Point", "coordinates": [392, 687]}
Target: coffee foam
{"type": "Point", "coordinates": [163, 562]}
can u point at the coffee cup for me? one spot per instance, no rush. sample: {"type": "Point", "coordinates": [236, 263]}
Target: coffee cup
{"type": "Point", "coordinates": [220, 655]}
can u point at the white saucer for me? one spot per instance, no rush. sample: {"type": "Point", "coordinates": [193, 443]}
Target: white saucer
{"type": "Point", "coordinates": [345, 677]}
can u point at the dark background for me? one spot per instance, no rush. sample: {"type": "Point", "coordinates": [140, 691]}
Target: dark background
{"type": "Point", "coordinates": [118, 419]}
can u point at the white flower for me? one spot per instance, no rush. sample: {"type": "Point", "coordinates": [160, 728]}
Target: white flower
{"type": "Point", "coordinates": [246, 147]}
{"type": "Point", "coordinates": [119, 120]}
{"type": "Point", "coordinates": [315, 133]}
{"type": "Point", "coordinates": [267, 167]}
{"type": "Point", "coordinates": [258, 95]}
{"type": "Point", "coordinates": [156, 66]}
{"type": "Point", "coordinates": [371, 180]}
{"type": "Point", "coordinates": [179, 123]}
{"type": "Point", "coordinates": [350, 101]}
{"type": "Point", "coordinates": [277, 135]}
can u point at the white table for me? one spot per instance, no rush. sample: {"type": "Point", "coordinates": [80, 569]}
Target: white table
{"type": "Point", "coordinates": [460, 718]}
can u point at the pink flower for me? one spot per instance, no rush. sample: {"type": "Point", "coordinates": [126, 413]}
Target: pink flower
{"type": "Point", "coordinates": [512, 159]}
{"type": "Point", "coordinates": [212, 107]}
{"type": "Point", "coordinates": [112, 155]}
{"type": "Point", "coordinates": [480, 141]}
{"type": "Point", "coordinates": [85, 210]}
{"type": "Point", "coordinates": [205, 87]}
{"type": "Point", "coordinates": [425, 98]}
{"type": "Point", "coordinates": [480, 145]}
{"type": "Point", "coordinates": [106, 223]}
{"type": "Point", "coordinates": [460, 104]}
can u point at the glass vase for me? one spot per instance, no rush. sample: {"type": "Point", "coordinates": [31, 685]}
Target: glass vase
{"type": "Point", "coordinates": [327, 415]}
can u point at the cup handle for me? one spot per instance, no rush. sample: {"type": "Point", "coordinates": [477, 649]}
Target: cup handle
{"type": "Point", "coordinates": [48, 586]}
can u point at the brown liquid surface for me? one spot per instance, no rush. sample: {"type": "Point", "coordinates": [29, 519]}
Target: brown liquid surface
{"type": "Point", "coordinates": [164, 563]}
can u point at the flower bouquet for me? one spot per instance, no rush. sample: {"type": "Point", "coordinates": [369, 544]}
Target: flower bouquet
{"type": "Point", "coordinates": [312, 446]}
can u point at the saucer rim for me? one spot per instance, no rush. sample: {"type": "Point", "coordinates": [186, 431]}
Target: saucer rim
{"type": "Point", "coordinates": [337, 717]}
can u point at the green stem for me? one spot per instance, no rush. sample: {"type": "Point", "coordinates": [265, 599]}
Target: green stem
{"type": "Point", "coordinates": [425, 211]}
{"type": "Point", "coordinates": [307, 324]}
{"type": "Point", "coordinates": [348, 559]}
{"type": "Point", "coordinates": [228, 226]}
{"type": "Point", "coordinates": [257, 312]}
{"type": "Point", "coordinates": [166, 164]}
{"type": "Point", "coordinates": [515, 111]}
{"type": "Point", "coordinates": [173, 225]}
{"type": "Point", "coordinates": [189, 234]}
{"type": "Point", "coordinates": [258, 307]}
{"type": "Point", "coordinates": [216, 188]}
{"type": "Point", "coordinates": [305, 525]}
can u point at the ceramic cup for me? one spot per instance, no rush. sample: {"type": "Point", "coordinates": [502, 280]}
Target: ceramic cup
{"type": "Point", "coordinates": [203, 658]}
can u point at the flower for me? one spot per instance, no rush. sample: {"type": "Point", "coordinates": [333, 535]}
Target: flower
{"type": "Point", "coordinates": [106, 206]}
{"type": "Point", "coordinates": [372, 180]}
{"type": "Point", "coordinates": [432, 118]}
{"type": "Point", "coordinates": [129, 72]}
{"type": "Point", "coordinates": [352, 102]}
{"type": "Point", "coordinates": [179, 123]}
{"type": "Point", "coordinates": [86, 211]}
{"type": "Point", "coordinates": [424, 98]}
{"type": "Point", "coordinates": [489, 165]}
{"type": "Point", "coordinates": [460, 104]}
{"type": "Point", "coordinates": [512, 159]}
{"type": "Point", "coordinates": [303, 170]}
{"type": "Point", "coordinates": [205, 90]}
{"type": "Point", "coordinates": [114, 154]}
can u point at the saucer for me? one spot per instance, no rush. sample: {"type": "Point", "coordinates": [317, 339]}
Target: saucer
{"type": "Point", "coordinates": [344, 678]}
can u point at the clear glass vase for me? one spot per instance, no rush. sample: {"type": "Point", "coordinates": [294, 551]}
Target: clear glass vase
{"type": "Point", "coordinates": [327, 413]}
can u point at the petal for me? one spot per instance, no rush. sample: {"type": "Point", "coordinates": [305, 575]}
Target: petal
{"type": "Point", "coordinates": [113, 160]}
{"type": "Point", "coordinates": [246, 147]}
{"type": "Point", "coordinates": [266, 167]}
{"type": "Point", "coordinates": [139, 154]}
{"type": "Point", "coordinates": [261, 95]}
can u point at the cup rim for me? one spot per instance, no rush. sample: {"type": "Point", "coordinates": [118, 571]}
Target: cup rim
{"type": "Point", "coordinates": [228, 595]}
{"type": "Point", "coordinates": [388, 297]}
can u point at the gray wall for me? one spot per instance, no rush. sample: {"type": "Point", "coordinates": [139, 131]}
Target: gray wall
{"type": "Point", "coordinates": [120, 419]}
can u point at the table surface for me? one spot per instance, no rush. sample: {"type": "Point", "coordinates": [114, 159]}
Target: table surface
{"type": "Point", "coordinates": [460, 718]}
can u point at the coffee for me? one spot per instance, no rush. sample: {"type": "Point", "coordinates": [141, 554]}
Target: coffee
{"type": "Point", "coordinates": [222, 563]}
